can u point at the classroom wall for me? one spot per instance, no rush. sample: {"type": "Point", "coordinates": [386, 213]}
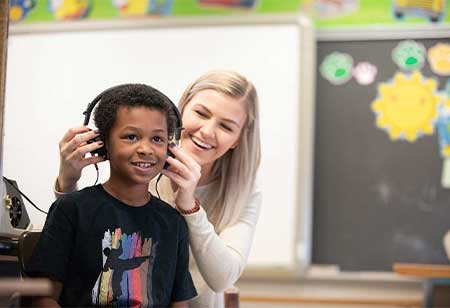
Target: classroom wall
{"type": "Point", "coordinates": [352, 287]}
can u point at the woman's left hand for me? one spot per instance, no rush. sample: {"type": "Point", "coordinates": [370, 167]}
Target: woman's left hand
{"type": "Point", "coordinates": [185, 173]}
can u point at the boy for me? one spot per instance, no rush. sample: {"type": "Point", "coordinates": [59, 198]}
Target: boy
{"type": "Point", "coordinates": [115, 244]}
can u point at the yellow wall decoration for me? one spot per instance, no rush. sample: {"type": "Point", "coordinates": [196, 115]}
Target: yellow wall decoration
{"type": "Point", "coordinates": [132, 7]}
{"type": "Point", "coordinates": [69, 9]}
{"type": "Point", "coordinates": [407, 107]}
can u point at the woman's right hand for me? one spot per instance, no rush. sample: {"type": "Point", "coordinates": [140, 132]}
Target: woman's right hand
{"type": "Point", "coordinates": [73, 148]}
{"type": "Point", "coordinates": [184, 172]}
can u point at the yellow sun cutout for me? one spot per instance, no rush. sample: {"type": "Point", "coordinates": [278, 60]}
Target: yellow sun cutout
{"type": "Point", "coordinates": [407, 107]}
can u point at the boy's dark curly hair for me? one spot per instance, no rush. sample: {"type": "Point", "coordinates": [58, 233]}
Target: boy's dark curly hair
{"type": "Point", "coordinates": [131, 95]}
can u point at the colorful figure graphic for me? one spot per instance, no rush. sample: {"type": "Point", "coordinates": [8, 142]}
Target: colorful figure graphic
{"type": "Point", "coordinates": [324, 9]}
{"type": "Point", "coordinates": [127, 266]}
{"type": "Point", "coordinates": [439, 58]}
{"type": "Point", "coordinates": [409, 55]}
{"type": "Point", "coordinates": [337, 68]}
{"type": "Point", "coordinates": [365, 73]}
{"type": "Point", "coordinates": [443, 126]}
{"type": "Point", "coordinates": [69, 9]}
{"type": "Point", "coordinates": [229, 3]}
{"type": "Point", "coordinates": [143, 7]}
{"type": "Point", "coordinates": [18, 9]}
{"type": "Point", "coordinates": [430, 9]}
{"type": "Point", "coordinates": [407, 107]}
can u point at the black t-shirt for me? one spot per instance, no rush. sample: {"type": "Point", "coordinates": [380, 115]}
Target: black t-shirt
{"type": "Point", "coordinates": [106, 252]}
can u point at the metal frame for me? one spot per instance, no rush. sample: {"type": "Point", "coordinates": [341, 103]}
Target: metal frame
{"type": "Point", "coordinates": [4, 21]}
{"type": "Point", "coordinates": [371, 33]}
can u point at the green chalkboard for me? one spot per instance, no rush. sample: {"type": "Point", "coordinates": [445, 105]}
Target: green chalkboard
{"type": "Point", "coordinates": [376, 200]}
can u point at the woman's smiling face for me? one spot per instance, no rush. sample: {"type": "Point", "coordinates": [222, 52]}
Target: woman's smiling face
{"type": "Point", "coordinates": [212, 124]}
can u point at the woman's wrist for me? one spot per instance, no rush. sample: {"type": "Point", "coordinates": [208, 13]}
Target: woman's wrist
{"type": "Point", "coordinates": [194, 209]}
{"type": "Point", "coordinates": [63, 187]}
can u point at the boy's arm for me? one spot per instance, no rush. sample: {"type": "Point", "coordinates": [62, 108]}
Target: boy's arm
{"type": "Point", "coordinates": [51, 300]}
{"type": "Point", "coordinates": [182, 304]}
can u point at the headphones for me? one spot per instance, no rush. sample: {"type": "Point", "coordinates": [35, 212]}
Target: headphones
{"type": "Point", "coordinates": [176, 135]}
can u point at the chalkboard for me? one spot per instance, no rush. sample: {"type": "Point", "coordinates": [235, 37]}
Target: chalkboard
{"type": "Point", "coordinates": [55, 70]}
{"type": "Point", "coordinates": [376, 201]}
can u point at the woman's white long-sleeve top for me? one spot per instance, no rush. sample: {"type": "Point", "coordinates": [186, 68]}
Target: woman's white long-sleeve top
{"type": "Point", "coordinates": [218, 260]}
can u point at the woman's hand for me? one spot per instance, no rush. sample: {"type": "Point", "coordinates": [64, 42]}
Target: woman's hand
{"type": "Point", "coordinates": [185, 173]}
{"type": "Point", "coordinates": [73, 148]}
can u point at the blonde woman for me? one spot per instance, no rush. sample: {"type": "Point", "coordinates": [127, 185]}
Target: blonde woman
{"type": "Point", "coordinates": [211, 180]}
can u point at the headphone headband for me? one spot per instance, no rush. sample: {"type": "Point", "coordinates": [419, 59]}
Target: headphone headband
{"type": "Point", "coordinates": [179, 124]}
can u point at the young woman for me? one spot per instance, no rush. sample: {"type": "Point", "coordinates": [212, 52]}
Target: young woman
{"type": "Point", "coordinates": [211, 180]}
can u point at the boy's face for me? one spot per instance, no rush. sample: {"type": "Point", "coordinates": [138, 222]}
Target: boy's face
{"type": "Point", "coordinates": [137, 145]}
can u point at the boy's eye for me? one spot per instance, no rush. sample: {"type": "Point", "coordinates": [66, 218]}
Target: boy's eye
{"type": "Point", "coordinates": [131, 137]}
{"type": "Point", "coordinates": [158, 139]}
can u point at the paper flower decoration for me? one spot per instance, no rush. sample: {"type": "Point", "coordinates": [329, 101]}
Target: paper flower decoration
{"type": "Point", "coordinates": [337, 68]}
{"type": "Point", "coordinates": [439, 58]}
{"type": "Point", "coordinates": [409, 55]}
{"type": "Point", "coordinates": [365, 73]}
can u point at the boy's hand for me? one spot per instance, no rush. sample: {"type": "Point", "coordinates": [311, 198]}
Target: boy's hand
{"type": "Point", "coordinates": [185, 173]}
{"type": "Point", "coordinates": [73, 148]}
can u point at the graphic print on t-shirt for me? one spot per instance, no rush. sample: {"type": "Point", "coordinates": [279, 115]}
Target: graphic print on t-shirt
{"type": "Point", "coordinates": [125, 280]}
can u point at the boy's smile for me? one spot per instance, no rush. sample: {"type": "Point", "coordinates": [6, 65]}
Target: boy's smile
{"type": "Point", "coordinates": [137, 147]}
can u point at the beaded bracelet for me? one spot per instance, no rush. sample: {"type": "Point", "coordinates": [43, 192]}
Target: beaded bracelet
{"type": "Point", "coordinates": [195, 209]}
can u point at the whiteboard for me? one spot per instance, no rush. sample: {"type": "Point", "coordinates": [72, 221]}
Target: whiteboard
{"type": "Point", "coordinates": [53, 75]}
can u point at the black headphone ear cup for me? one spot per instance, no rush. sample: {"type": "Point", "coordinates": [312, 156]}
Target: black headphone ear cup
{"type": "Point", "coordinates": [101, 151]}
{"type": "Point", "coordinates": [166, 164]}
{"type": "Point", "coordinates": [175, 138]}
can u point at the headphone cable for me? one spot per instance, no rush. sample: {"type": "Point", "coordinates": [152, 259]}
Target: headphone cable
{"type": "Point", "coordinates": [156, 185]}
{"type": "Point", "coordinates": [96, 180]}
{"type": "Point", "coordinates": [23, 195]}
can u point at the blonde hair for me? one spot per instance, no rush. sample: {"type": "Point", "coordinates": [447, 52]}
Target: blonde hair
{"type": "Point", "coordinates": [233, 175]}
